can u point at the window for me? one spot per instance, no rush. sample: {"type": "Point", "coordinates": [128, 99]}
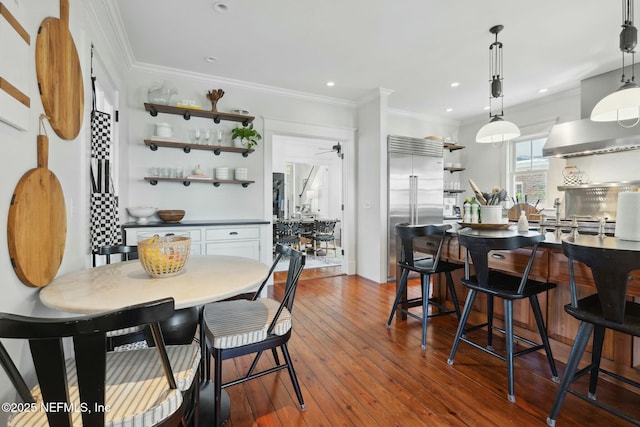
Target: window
{"type": "Point", "coordinates": [529, 170]}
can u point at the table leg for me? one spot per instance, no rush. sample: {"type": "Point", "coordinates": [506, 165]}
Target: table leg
{"type": "Point", "coordinates": [206, 405]}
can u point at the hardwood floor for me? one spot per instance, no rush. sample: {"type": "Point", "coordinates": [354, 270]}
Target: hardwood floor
{"type": "Point", "coordinates": [355, 372]}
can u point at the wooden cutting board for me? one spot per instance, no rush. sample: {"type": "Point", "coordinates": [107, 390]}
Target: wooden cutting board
{"type": "Point", "coordinates": [59, 75]}
{"type": "Point", "coordinates": [37, 223]}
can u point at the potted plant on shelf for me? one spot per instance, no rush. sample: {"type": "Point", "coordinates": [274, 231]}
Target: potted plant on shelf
{"type": "Point", "coordinates": [245, 137]}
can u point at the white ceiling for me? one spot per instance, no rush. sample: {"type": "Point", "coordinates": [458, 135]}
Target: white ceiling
{"type": "Point", "coordinates": [414, 48]}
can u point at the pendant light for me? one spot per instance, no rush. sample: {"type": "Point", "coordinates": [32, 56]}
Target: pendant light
{"type": "Point", "coordinates": [623, 104]}
{"type": "Point", "coordinates": [498, 129]}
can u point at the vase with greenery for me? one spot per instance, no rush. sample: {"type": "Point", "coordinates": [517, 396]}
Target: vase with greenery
{"type": "Point", "coordinates": [246, 136]}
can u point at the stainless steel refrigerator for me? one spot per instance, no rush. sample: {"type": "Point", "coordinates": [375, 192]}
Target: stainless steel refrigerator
{"type": "Point", "coordinates": [415, 184]}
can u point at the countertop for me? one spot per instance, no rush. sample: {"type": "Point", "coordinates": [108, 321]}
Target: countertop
{"type": "Point", "coordinates": [197, 223]}
{"type": "Point", "coordinates": [551, 238]}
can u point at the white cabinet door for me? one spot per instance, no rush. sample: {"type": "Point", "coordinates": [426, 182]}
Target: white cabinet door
{"type": "Point", "coordinates": [246, 248]}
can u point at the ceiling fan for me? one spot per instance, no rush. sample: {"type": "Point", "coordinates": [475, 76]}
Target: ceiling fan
{"type": "Point", "coordinates": [337, 148]}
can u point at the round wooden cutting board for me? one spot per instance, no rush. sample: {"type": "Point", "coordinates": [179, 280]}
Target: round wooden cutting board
{"type": "Point", "coordinates": [37, 223]}
{"type": "Point", "coordinates": [59, 75]}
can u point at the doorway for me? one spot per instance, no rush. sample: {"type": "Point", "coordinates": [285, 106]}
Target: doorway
{"type": "Point", "coordinates": [308, 188]}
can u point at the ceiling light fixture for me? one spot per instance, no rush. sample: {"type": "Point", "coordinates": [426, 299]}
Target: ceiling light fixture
{"type": "Point", "coordinates": [211, 59]}
{"type": "Point", "coordinates": [498, 129]}
{"type": "Point", "coordinates": [455, 84]}
{"type": "Point", "coordinates": [331, 84]}
{"type": "Point", "coordinates": [448, 110]}
{"type": "Point", "coordinates": [543, 90]}
{"type": "Point", "coordinates": [623, 104]}
{"type": "Point", "coordinates": [221, 7]}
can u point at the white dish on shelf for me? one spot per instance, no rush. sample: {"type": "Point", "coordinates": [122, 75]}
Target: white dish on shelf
{"type": "Point", "coordinates": [241, 111]}
{"type": "Point", "coordinates": [163, 138]}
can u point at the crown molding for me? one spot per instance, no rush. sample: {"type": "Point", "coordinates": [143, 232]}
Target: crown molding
{"type": "Point", "coordinates": [105, 15]}
{"type": "Point", "coordinates": [423, 117]}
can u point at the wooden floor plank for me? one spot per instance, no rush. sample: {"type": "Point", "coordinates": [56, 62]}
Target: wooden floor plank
{"type": "Point", "coordinates": [353, 371]}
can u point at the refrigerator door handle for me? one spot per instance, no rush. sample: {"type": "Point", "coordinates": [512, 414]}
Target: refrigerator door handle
{"type": "Point", "coordinates": [413, 199]}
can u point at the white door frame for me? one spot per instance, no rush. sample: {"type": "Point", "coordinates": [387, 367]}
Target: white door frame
{"type": "Point", "coordinates": [346, 137]}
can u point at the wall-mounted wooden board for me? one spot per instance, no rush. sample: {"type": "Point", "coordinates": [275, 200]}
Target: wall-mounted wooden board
{"type": "Point", "coordinates": [14, 68]}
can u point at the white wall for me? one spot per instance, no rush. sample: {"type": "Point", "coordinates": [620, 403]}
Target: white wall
{"type": "Point", "coordinates": [487, 164]}
{"type": "Point", "coordinates": [67, 159]}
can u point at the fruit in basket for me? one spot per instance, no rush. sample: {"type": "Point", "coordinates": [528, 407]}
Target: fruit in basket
{"type": "Point", "coordinates": [164, 256]}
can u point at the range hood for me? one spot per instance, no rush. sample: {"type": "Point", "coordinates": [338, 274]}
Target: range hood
{"type": "Point", "coordinates": [585, 137]}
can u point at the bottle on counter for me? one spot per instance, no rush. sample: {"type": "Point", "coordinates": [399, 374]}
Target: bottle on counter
{"type": "Point", "coordinates": [466, 211]}
{"type": "Point", "coordinates": [523, 223]}
{"type": "Point", "coordinates": [475, 211]}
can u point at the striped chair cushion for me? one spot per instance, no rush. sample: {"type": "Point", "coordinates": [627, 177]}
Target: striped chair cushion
{"type": "Point", "coordinates": [124, 331]}
{"type": "Point", "coordinates": [231, 324]}
{"type": "Point", "coordinates": [137, 392]}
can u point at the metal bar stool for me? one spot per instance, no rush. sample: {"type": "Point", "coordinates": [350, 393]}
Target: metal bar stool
{"type": "Point", "coordinates": [505, 286]}
{"type": "Point", "coordinates": [426, 266]}
{"type": "Point", "coordinates": [611, 260]}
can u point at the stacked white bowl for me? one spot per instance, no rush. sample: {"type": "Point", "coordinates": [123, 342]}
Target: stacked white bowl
{"type": "Point", "coordinates": [241, 174]}
{"type": "Point", "coordinates": [222, 173]}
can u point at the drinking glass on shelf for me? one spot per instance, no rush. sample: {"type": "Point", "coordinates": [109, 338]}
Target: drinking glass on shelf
{"type": "Point", "coordinates": [207, 136]}
{"type": "Point", "coordinates": [220, 135]}
{"type": "Point", "coordinates": [196, 134]}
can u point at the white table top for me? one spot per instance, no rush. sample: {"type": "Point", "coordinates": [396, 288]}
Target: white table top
{"type": "Point", "coordinates": [204, 279]}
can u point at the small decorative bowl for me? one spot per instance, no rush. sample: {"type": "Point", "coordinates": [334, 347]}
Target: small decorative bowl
{"type": "Point", "coordinates": [171, 215]}
{"type": "Point", "coordinates": [164, 256]}
{"type": "Point", "coordinates": [142, 213]}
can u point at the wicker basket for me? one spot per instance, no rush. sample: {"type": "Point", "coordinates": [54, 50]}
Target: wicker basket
{"type": "Point", "coordinates": [164, 256]}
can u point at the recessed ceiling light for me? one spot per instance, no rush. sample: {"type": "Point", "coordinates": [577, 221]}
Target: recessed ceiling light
{"type": "Point", "coordinates": [543, 90]}
{"type": "Point", "coordinates": [455, 84]}
{"type": "Point", "coordinates": [486, 107]}
{"type": "Point", "coordinates": [211, 59]}
{"type": "Point", "coordinates": [448, 110]}
{"type": "Point", "coordinates": [331, 84]}
{"type": "Point", "coordinates": [221, 7]}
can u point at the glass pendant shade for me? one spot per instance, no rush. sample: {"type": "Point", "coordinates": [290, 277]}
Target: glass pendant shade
{"type": "Point", "coordinates": [497, 130]}
{"type": "Point", "coordinates": [623, 104]}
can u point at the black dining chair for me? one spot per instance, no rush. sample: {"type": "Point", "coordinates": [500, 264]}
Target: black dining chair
{"type": "Point", "coordinates": [126, 252]}
{"type": "Point", "coordinates": [324, 231]}
{"type": "Point", "coordinates": [611, 261]}
{"type": "Point", "coordinates": [146, 387]}
{"type": "Point", "coordinates": [427, 264]}
{"type": "Point", "coordinates": [507, 287]}
{"type": "Point", "coordinates": [241, 327]}
{"type": "Point", "coordinates": [287, 233]}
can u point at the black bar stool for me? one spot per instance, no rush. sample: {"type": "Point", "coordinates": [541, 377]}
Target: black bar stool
{"type": "Point", "coordinates": [509, 288]}
{"type": "Point", "coordinates": [611, 260]}
{"type": "Point", "coordinates": [430, 264]}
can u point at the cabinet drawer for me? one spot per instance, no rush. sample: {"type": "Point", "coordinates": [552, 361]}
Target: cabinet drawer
{"type": "Point", "coordinates": [195, 234]}
{"type": "Point", "coordinates": [247, 249]}
{"type": "Point", "coordinates": [232, 233]}
{"type": "Point", "coordinates": [515, 261]}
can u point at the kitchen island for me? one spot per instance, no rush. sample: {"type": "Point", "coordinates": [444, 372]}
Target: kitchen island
{"type": "Point", "coordinates": [621, 352]}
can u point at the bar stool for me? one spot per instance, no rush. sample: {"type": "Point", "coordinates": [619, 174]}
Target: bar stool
{"type": "Point", "coordinates": [431, 264]}
{"type": "Point", "coordinates": [611, 260]}
{"type": "Point", "coordinates": [509, 288]}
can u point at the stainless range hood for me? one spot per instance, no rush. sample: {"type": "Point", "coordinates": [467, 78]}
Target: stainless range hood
{"type": "Point", "coordinates": [585, 137]}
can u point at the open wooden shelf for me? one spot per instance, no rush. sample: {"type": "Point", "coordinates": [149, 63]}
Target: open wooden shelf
{"type": "Point", "coordinates": [187, 113]}
{"type": "Point", "coordinates": [451, 146]}
{"type": "Point", "coordinates": [452, 170]}
{"type": "Point", "coordinates": [153, 180]}
{"type": "Point", "coordinates": [187, 147]}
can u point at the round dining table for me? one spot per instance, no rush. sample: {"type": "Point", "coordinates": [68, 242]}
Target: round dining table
{"type": "Point", "coordinates": [204, 279]}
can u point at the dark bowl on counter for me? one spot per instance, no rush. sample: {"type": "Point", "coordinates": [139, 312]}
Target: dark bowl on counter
{"type": "Point", "coordinates": [173, 215]}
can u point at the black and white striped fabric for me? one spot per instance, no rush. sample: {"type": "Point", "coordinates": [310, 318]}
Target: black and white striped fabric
{"type": "Point", "coordinates": [137, 393]}
{"type": "Point", "coordinates": [100, 135]}
{"type": "Point", "coordinates": [231, 324]}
